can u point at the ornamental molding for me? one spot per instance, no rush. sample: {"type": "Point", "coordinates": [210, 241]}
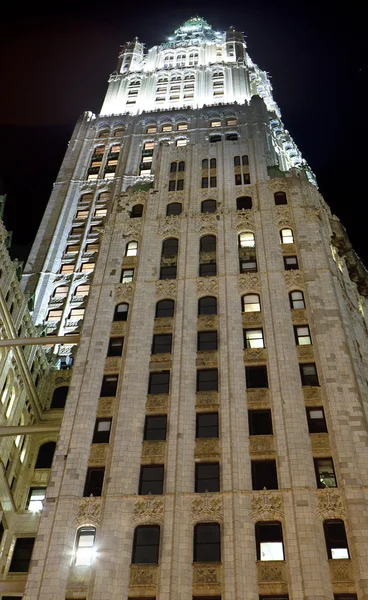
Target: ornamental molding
{"type": "Point", "coordinates": [305, 352]}
{"type": "Point", "coordinates": [112, 364]}
{"type": "Point", "coordinates": [105, 406]}
{"type": "Point", "coordinates": [133, 228]}
{"type": "Point", "coordinates": [175, 197]}
{"type": "Point", "coordinates": [341, 571]}
{"type": "Point", "coordinates": [157, 403]}
{"type": "Point", "coordinates": [145, 575]}
{"type": "Point", "coordinates": [161, 358]}
{"type": "Point", "coordinates": [207, 399]}
{"type": "Point", "coordinates": [170, 226]}
{"type": "Point", "coordinates": [132, 198]}
{"type": "Point", "coordinates": [255, 355]}
{"type": "Point", "coordinates": [207, 285]}
{"type": "Point", "coordinates": [207, 321]}
{"type": "Point", "coordinates": [163, 323]}
{"type": "Point", "coordinates": [206, 358]}
{"type": "Point", "coordinates": [283, 216]}
{"type": "Point", "coordinates": [267, 505]}
{"type": "Point", "coordinates": [257, 397]}
{"type": "Point", "coordinates": [209, 194]}
{"type": "Point", "coordinates": [243, 219]}
{"type": "Point", "coordinates": [293, 278]}
{"type": "Point", "coordinates": [118, 327]}
{"type": "Point", "coordinates": [97, 455]}
{"type": "Point", "coordinates": [299, 315]}
{"type": "Point", "coordinates": [166, 288]}
{"type": "Point", "coordinates": [312, 394]}
{"type": "Point", "coordinates": [153, 449]}
{"type": "Point", "coordinates": [278, 184]}
{"type": "Point", "coordinates": [271, 572]}
{"type": "Point", "coordinates": [320, 443]}
{"type": "Point", "coordinates": [61, 377]}
{"type": "Point", "coordinates": [207, 507]}
{"type": "Point", "coordinates": [206, 223]}
{"type": "Point", "coordinates": [330, 505]}
{"type": "Point", "coordinates": [207, 447]}
{"type": "Point", "coordinates": [124, 291]}
{"type": "Point", "coordinates": [252, 319]}
{"type": "Point", "coordinates": [148, 509]}
{"type": "Point", "coordinates": [89, 511]}
{"type": "Point", "coordinates": [249, 282]}
{"type": "Point", "coordinates": [261, 444]}
{"type": "Point", "coordinates": [206, 574]}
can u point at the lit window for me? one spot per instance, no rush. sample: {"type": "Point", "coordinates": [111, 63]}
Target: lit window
{"type": "Point", "coordinates": [269, 541]}
{"type": "Point", "coordinates": [76, 313]}
{"type": "Point", "coordinates": [302, 335]}
{"type": "Point", "coordinates": [54, 315]}
{"type": "Point", "coordinates": [149, 145]}
{"type": "Point", "coordinates": [251, 303]}
{"type": "Point", "coordinates": [92, 248]}
{"type": "Point", "coordinates": [231, 122]}
{"type": "Point", "coordinates": [82, 214]}
{"type": "Point", "coordinates": [100, 212]}
{"type": "Point", "coordinates": [151, 129]}
{"type": "Point", "coordinates": [336, 542]}
{"type": "Point", "coordinates": [215, 123]}
{"type": "Point", "coordinates": [131, 249]}
{"type": "Point", "coordinates": [253, 338]}
{"type": "Point", "coordinates": [87, 267]}
{"type": "Point", "coordinates": [166, 128]}
{"type": "Point", "coordinates": [246, 240]}
{"type": "Point", "coordinates": [127, 275]}
{"type": "Point", "coordinates": [35, 499]}
{"type": "Point", "coordinates": [325, 473]}
{"type": "Point", "coordinates": [82, 290]}
{"type": "Point", "coordinates": [297, 299]}
{"type": "Point", "coordinates": [287, 236]}
{"type": "Point", "coordinates": [182, 126]}
{"type": "Point", "coordinates": [84, 547]}
{"type": "Point", "coordinates": [181, 142]}
{"type": "Point", "coordinates": [72, 249]}
{"type": "Point", "coordinates": [316, 420]}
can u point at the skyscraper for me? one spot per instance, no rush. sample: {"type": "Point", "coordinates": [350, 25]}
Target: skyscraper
{"type": "Point", "coordinates": [214, 442]}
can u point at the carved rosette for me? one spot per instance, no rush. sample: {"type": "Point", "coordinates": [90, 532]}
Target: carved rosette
{"type": "Point", "coordinates": [207, 285]}
{"type": "Point", "coordinates": [282, 216]}
{"type": "Point", "coordinates": [293, 279]}
{"type": "Point", "coordinates": [320, 443]}
{"type": "Point", "coordinates": [258, 397]}
{"type": "Point", "coordinates": [207, 507]}
{"type": "Point", "coordinates": [261, 444]}
{"type": "Point", "coordinates": [243, 220]}
{"type": "Point", "coordinates": [341, 571]}
{"type": "Point", "coordinates": [166, 288]}
{"type": "Point", "coordinates": [312, 394]}
{"type": "Point", "coordinates": [149, 509]}
{"type": "Point", "coordinates": [207, 575]}
{"type": "Point", "coordinates": [170, 226]}
{"type": "Point", "coordinates": [157, 403]}
{"type": "Point", "coordinates": [330, 504]}
{"type": "Point", "coordinates": [249, 282]}
{"type": "Point", "coordinates": [267, 505]}
{"type": "Point", "coordinates": [305, 352]}
{"type": "Point", "coordinates": [124, 291]}
{"type": "Point", "coordinates": [89, 511]}
{"type": "Point", "coordinates": [255, 355]}
{"type": "Point", "coordinates": [143, 575]}
{"type": "Point", "coordinates": [207, 448]}
{"type": "Point", "coordinates": [207, 321]}
{"type": "Point", "coordinates": [112, 364]}
{"type": "Point", "coordinates": [97, 455]}
{"type": "Point", "coordinates": [206, 399]}
{"type": "Point", "coordinates": [278, 184]}
{"type": "Point", "coordinates": [154, 449]}
{"type": "Point", "coordinates": [271, 572]}
{"type": "Point", "coordinates": [105, 406]}
{"type": "Point", "coordinates": [299, 315]}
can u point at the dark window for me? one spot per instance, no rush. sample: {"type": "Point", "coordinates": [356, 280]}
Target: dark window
{"type": "Point", "coordinates": [171, 186]}
{"type": "Point", "coordinates": [109, 385]}
{"type": "Point", "coordinates": [180, 184]}
{"type": "Point", "coordinates": [274, 597]}
{"type": "Point", "coordinates": [336, 542]}
{"type": "Point", "coordinates": [207, 340]}
{"type": "Point", "coordinates": [325, 473]}
{"type": "Point", "coordinates": [181, 166]}
{"type": "Point", "coordinates": [280, 198]}
{"type": "Point", "coordinates": [316, 420]}
{"type": "Point", "coordinates": [243, 202]}
{"type": "Point", "coordinates": [146, 544]}
{"type": "Point", "coordinates": [213, 163]}
{"type": "Point", "coordinates": [161, 344]}
{"type": "Point", "coordinates": [260, 422]}
{"type": "Point", "coordinates": [170, 247]}
{"type": "Point", "coordinates": [205, 163]}
{"type": "Point", "coordinates": [308, 374]}
{"type": "Point", "coordinates": [22, 555]}
{"type": "Point", "coordinates": [155, 427]}
{"type": "Point", "coordinates": [338, 597]}
{"type": "Point", "coordinates": [159, 383]}
{"type": "Point", "coordinates": [245, 160]}
{"type": "Point", "coordinates": [2, 529]}
{"type": "Point", "coordinates": [264, 475]}
{"type": "Point", "coordinates": [207, 243]}
{"type": "Point", "coordinates": [207, 543]}
{"type": "Point", "coordinates": [137, 211]}
{"type": "Point", "coordinates": [175, 208]}
{"type": "Point", "coordinates": [256, 377]}
{"type": "Point", "coordinates": [269, 541]}
{"type": "Point", "coordinates": [297, 299]}
{"type": "Point", "coordinates": [290, 263]}
{"type": "Point", "coordinates": [231, 137]}
{"type": "Point", "coordinates": [121, 312]}
{"type": "Point", "coordinates": [115, 346]}
{"type": "Point", "coordinates": [204, 183]}
{"type": "Point", "coordinates": [168, 272]}
{"type": "Point", "coordinates": [165, 308]}
{"type": "Point", "coordinates": [238, 179]}
{"type": "Point", "coordinates": [94, 481]}
{"type": "Point", "coordinates": [151, 480]}
{"type": "Point", "coordinates": [101, 434]}
{"type": "Point", "coordinates": [173, 167]}
{"type": "Point", "coordinates": [45, 455]}
{"type": "Point", "coordinates": [207, 425]}
{"type": "Point", "coordinates": [208, 206]}
{"type": "Point", "coordinates": [207, 477]}
{"type": "Point", "coordinates": [207, 305]}
{"type": "Point", "coordinates": [213, 182]}
{"type": "Point", "coordinates": [207, 380]}
{"type": "Point", "coordinates": [59, 397]}
{"type": "Point", "coordinates": [207, 270]}
{"type": "Point", "coordinates": [246, 178]}
{"type": "Point", "coordinates": [215, 138]}
{"type": "Point", "coordinates": [236, 161]}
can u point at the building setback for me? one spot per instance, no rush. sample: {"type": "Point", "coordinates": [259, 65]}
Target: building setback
{"type": "Point", "coordinates": [214, 442]}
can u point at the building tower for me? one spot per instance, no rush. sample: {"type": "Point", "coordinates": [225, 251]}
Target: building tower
{"type": "Point", "coordinates": [214, 442]}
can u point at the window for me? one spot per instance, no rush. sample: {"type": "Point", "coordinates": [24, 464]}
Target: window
{"type": "Point", "coordinates": [248, 266]}
{"type": "Point", "coordinates": [180, 184]}
{"type": "Point", "coordinates": [264, 475]}
{"type": "Point", "coordinates": [84, 544]}
{"type": "Point", "coordinates": [181, 166]}
{"type": "Point", "coordinates": [45, 455]}
{"type": "Point", "coordinates": [290, 263]}
{"type": "Point", "coordinates": [286, 236]}
{"type": "Point", "coordinates": [109, 385]}
{"type": "Point", "coordinates": [243, 202]}
{"type": "Point", "coordinates": [165, 308]}
{"type": "Point", "coordinates": [251, 303]}
{"type": "Point", "coordinates": [297, 299]}
{"type": "Point", "coordinates": [67, 269]}
{"type": "Point", "coordinates": [213, 182]}
{"type": "Point", "coordinates": [269, 541]}
{"type": "Point", "coordinates": [207, 543]}
{"type": "Point", "coordinates": [159, 383]}
{"type": "Point", "coordinates": [208, 269]}
{"type": "Point", "coordinates": [253, 338]}
{"type": "Point", "coordinates": [245, 160]}
{"type": "Point", "coordinates": [182, 126]}
{"type": "Point", "coordinates": [302, 335]}
{"type": "Point", "coordinates": [54, 315]}
{"type": "Point", "coordinates": [207, 425]}
{"type": "Point", "coordinates": [151, 129]}
{"type": "Point", "coordinates": [170, 247]}
{"type": "Point", "coordinates": [162, 343]}
{"type": "Point", "coordinates": [204, 183]}
{"type": "Point", "coordinates": [115, 346]}
{"type": "Point", "coordinates": [260, 422]}
{"type": "Point", "coordinates": [87, 267]}
{"type": "Point", "coordinates": [207, 306]}
{"type": "Point", "coordinates": [246, 178]}
{"type": "Point", "coordinates": [155, 428]}
{"type": "Point", "coordinates": [146, 544]}
{"type": "Point", "coordinates": [167, 127]}
{"type": "Point", "coordinates": [236, 161]}
{"type": "Point", "coordinates": [336, 542]}
{"type": "Point", "coordinates": [336, 597]}
{"type": "Point", "coordinates": [174, 208]}
{"type": "Point", "coordinates": [61, 291]}
{"type": "Point", "coordinates": [101, 434]}
{"type": "Point", "coordinates": [22, 555]}
{"type": "Point", "coordinates": [173, 167]}
{"type": "Point", "coordinates": [81, 290]}
{"type": "Point", "coordinates": [316, 420]}
{"type": "Point", "coordinates": [94, 481]}
{"type": "Point", "coordinates": [76, 314]}
{"type": "Point", "coordinates": [238, 179]}
{"type": "Point", "coordinates": [131, 249]}
{"type": "Point", "coordinates": [127, 275]}
{"type": "Point", "coordinates": [207, 243]}
{"type": "Point", "coordinates": [215, 138]}
{"type": "Point", "coordinates": [207, 477]}
{"type": "Point", "coordinates": [168, 272]}
{"type": "Point", "coordinates": [137, 211]}
{"type": "Point", "coordinates": [35, 499]}
{"type": "Point", "coordinates": [121, 312]}
{"type": "Point", "coordinates": [256, 377]}
{"type": "Point", "coordinates": [207, 340]}
{"type": "Point", "coordinates": [59, 397]}
{"type": "Point", "coordinates": [308, 374]}
{"type": "Point", "coordinates": [231, 122]}
{"type": "Point", "coordinates": [280, 198]}
{"type": "Point", "coordinates": [232, 137]}
{"type": "Point", "coordinates": [208, 206]}
{"type": "Point", "coordinates": [215, 123]}
{"type": "Point", "coordinates": [325, 473]}
{"type": "Point", "coordinates": [213, 163]}
{"type": "Point", "coordinates": [246, 240]}
{"type": "Point", "coordinates": [207, 380]}
{"type": "Point", "coordinates": [151, 480]}
{"type": "Point", "coordinates": [181, 142]}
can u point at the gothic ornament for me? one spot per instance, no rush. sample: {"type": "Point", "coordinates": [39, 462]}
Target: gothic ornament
{"type": "Point", "coordinates": [283, 217]}
{"type": "Point", "coordinates": [148, 509]}
{"type": "Point", "coordinates": [124, 291]}
{"type": "Point", "coordinates": [89, 511]}
{"type": "Point", "coordinates": [166, 288]}
{"type": "Point", "coordinates": [267, 506]}
{"type": "Point", "coordinates": [330, 505]}
{"type": "Point", "coordinates": [206, 223]}
{"type": "Point", "coordinates": [278, 184]}
{"type": "Point", "coordinates": [207, 285]}
{"type": "Point", "coordinates": [243, 220]}
{"type": "Point", "coordinates": [207, 507]}
{"type": "Point", "coordinates": [170, 226]}
{"type": "Point", "coordinates": [293, 279]}
{"type": "Point", "coordinates": [249, 282]}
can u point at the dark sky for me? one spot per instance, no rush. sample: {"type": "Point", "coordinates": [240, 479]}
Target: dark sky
{"type": "Point", "coordinates": [54, 66]}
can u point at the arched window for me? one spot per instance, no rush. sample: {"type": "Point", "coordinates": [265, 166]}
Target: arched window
{"type": "Point", "coordinates": [45, 455]}
{"type": "Point", "coordinates": [207, 305]}
{"type": "Point", "coordinates": [174, 208]}
{"type": "Point", "coordinates": [251, 303]}
{"type": "Point", "coordinates": [236, 161]}
{"type": "Point", "coordinates": [269, 540]}
{"type": "Point", "coordinates": [208, 206]}
{"type": "Point", "coordinates": [246, 240]}
{"type": "Point", "coordinates": [173, 167]}
{"type": "Point", "coordinates": [181, 166]}
{"type": "Point", "coordinates": [286, 236]}
{"type": "Point", "coordinates": [165, 308]}
{"type": "Point", "coordinates": [170, 247]}
{"type": "Point", "coordinates": [207, 543]}
{"type": "Point", "coordinates": [146, 544]}
{"type": "Point", "coordinates": [103, 133]}
{"type": "Point", "coordinates": [280, 198]}
{"type": "Point", "coordinates": [84, 546]}
{"type": "Point", "coordinates": [213, 163]}
{"type": "Point", "coordinates": [297, 299]}
{"type": "Point", "coordinates": [244, 202]}
{"type": "Point", "coordinates": [137, 211]}
{"type": "Point", "coordinates": [59, 397]}
{"type": "Point", "coordinates": [121, 312]}
{"type": "Point", "coordinates": [207, 243]}
{"type": "Point", "coordinates": [118, 132]}
{"type": "Point", "coordinates": [131, 249]}
{"type": "Point", "coordinates": [205, 163]}
{"type": "Point", "coordinates": [336, 542]}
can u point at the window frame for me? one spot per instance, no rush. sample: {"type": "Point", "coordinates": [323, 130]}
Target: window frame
{"type": "Point", "coordinates": [202, 551]}
{"type": "Point", "coordinates": [200, 487]}
{"type": "Point", "coordinates": [206, 384]}
{"type": "Point", "coordinates": [148, 486]}
{"type": "Point", "coordinates": [155, 545]}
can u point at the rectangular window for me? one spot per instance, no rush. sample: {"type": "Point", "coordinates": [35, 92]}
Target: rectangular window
{"type": "Point", "coordinates": [256, 377]}
{"type": "Point", "coordinates": [22, 555]}
{"type": "Point", "coordinates": [155, 428]}
{"type": "Point", "coordinates": [181, 142]}
{"type": "Point", "coordinates": [207, 477]}
{"type": "Point", "coordinates": [264, 475]}
{"type": "Point", "coordinates": [290, 263]}
{"type": "Point", "coordinates": [67, 269]}
{"type": "Point", "coordinates": [168, 272]}
{"type": "Point", "coordinates": [35, 499]}
{"type": "Point", "coordinates": [94, 481]}
{"type": "Point", "coordinates": [180, 184]}
{"type": "Point", "coordinates": [316, 420]}
{"type": "Point", "coordinates": [151, 480]}
{"type": "Point", "coordinates": [204, 182]}
{"type": "Point", "coordinates": [238, 180]}
{"type": "Point", "coordinates": [152, 129]}
{"type": "Point", "coordinates": [207, 380]}
{"type": "Point", "coordinates": [72, 249]}
{"type": "Point", "coordinates": [171, 186]}
{"type": "Point", "coordinates": [207, 340]}
{"type": "Point", "coordinates": [54, 315]}
{"type": "Point", "coordinates": [215, 123]}
{"type": "Point", "coordinates": [84, 546]}
{"type": "Point", "coordinates": [87, 267]}
{"type": "Point", "coordinates": [81, 214]}
{"type": "Point", "coordinates": [115, 346]}
{"type": "Point", "coordinates": [253, 338]}
{"type": "Point", "coordinates": [302, 335]}
{"type": "Point", "coordinates": [213, 182]}
{"type": "Point", "coordinates": [336, 542]}
{"type": "Point", "coordinates": [296, 299]}
{"type": "Point", "coordinates": [76, 313]}
{"type": "Point", "coordinates": [159, 383]}
{"type": "Point", "coordinates": [246, 178]}
{"type": "Point", "coordinates": [81, 290]}
{"type": "Point", "coordinates": [269, 542]}
{"type": "Point", "coordinates": [149, 146]}
{"type": "Point", "coordinates": [101, 434]}
{"type": "Point", "coordinates": [109, 385]}
{"type": "Point", "coordinates": [325, 473]}
{"type": "Point", "coordinates": [182, 126]}
{"type": "Point", "coordinates": [146, 544]}
{"type": "Point", "coordinates": [207, 543]}
{"type": "Point", "coordinates": [100, 212]}
{"type": "Point", "coordinates": [260, 422]}
{"type": "Point", "coordinates": [127, 276]}
{"type": "Point", "coordinates": [162, 344]}
{"type": "Point", "coordinates": [208, 270]}
{"type": "Point", "coordinates": [308, 374]}
{"type": "Point", "coordinates": [248, 265]}
{"type": "Point", "coordinates": [207, 425]}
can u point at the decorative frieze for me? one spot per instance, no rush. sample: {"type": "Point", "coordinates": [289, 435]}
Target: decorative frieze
{"type": "Point", "coordinates": [207, 285]}
{"type": "Point", "coordinates": [143, 575]}
{"type": "Point", "coordinates": [249, 283]}
{"type": "Point", "coordinates": [133, 228]}
{"type": "Point", "coordinates": [157, 403]}
{"type": "Point", "coordinates": [163, 324]}
{"type": "Point", "coordinates": [293, 279]}
{"type": "Point", "coordinates": [312, 394]}
{"type": "Point", "coordinates": [266, 505]}
{"type": "Point", "coordinates": [255, 355]}
{"type": "Point", "coordinates": [124, 291]}
{"type": "Point", "coordinates": [341, 571]}
{"type": "Point", "coordinates": [282, 216]}
{"type": "Point", "coordinates": [320, 443]}
{"type": "Point", "coordinates": [118, 327]}
{"type": "Point", "coordinates": [89, 512]}
{"type": "Point", "coordinates": [112, 364]}
{"type": "Point", "coordinates": [288, 249]}
{"type": "Point", "coordinates": [243, 220]}
{"type": "Point", "coordinates": [252, 319]}
{"type": "Point", "coordinates": [97, 455]}
{"type": "Point", "coordinates": [154, 450]}
{"type": "Point", "coordinates": [170, 226]}
{"type": "Point", "coordinates": [160, 361]}
{"type": "Point", "coordinates": [207, 359]}
{"type": "Point", "coordinates": [207, 399]}
{"type": "Point", "coordinates": [41, 476]}
{"type": "Point", "coordinates": [330, 504]}
{"type": "Point", "coordinates": [207, 507]}
{"type": "Point", "coordinates": [271, 572]}
{"type": "Point", "coordinates": [258, 398]}
{"type": "Point", "coordinates": [299, 315]}
{"type": "Point", "coordinates": [278, 184]}
{"type": "Point", "coordinates": [305, 352]}
{"type": "Point", "coordinates": [261, 444]}
{"type": "Point", "coordinates": [105, 406]}
{"type": "Point", "coordinates": [207, 322]}
{"type": "Point", "coordinates": [129, 261]}
{"type": "Point", "coordinates": [148, 510]}
{"type": "Point", "coordinates": [207, 448]}
{"type": "Point", "coordinates": [206, 575]}
{"type": "Point", "coordinates": [166, 288]}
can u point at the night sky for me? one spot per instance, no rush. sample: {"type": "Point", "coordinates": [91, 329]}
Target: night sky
{"type": "Point", "coordinates": [56, 66]}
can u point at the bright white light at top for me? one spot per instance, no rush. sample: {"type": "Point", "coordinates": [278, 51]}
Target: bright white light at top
{"type": "Point", "coordinates": [272, 551]}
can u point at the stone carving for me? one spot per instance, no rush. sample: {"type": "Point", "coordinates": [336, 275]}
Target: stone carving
{"type": "Point", "coordinates": [257, 397]}
{"type": "Point", "coordinates": [97, 455]}
{"type": "Point", "coordinates": [89, 511]}
{"type": "Point", "coordinates": [206, 223]}
{"type": "Point", "coordinates": [170, 226]}
{"type": "Point", "coordinates": [118, 327]}
{"type": "Point", "coordinates": [305, 352]}
{"type": "Point", "coordinates": [261, 444]}
{"type": "Point", "coordinates": [204, 358]}
{"type": "Point", "coordinates": [270, 572]}
{"type": "Point", "coordinates": [207, 507]}
{"type": "Point", "coordinates": [255, 355]}
{"type": "Point", "coordinates": [153, 449]}
{"type": "Point", "coordinates": [207, 321]}
{"type": "Point", "coordinates": [341, 571]}
{"type": "Point", "coordinates": [278, 184]}
{"type": "Point", "coordinates": [207, 285]}
{"type": "Point", "coordinates": [157, 403]}
{"type": "Point", "coordinates": [282, 216]}
{"type": "Point", "coordinates": [312, 213]}
{"type": "Point", "coordinates": [166, 288]}
{"type": "Point", "coordinates": [206, 574]}
{"type": "Point", "coordinates": [41, 476]}
{"type": "Point", "coordinates": [320, 442]}
{"type": "Point", "coordinates": [176, 197]}
{"type": "Point", "coordinates": [207, 399]}
{"type": "Point", "coordinates": [252, 319]}
{"type": "Point", "coordinates": [133, 228]}
{"type": "Point", "coordinates": [78, 578]}
{"type": "Point", "coordinates": [112, 364]}
{"type": "Point", "coordinates": [299, 315]}
{"type": "Point", "coordinates": [160, 358]}
{"type": "Point", "coordinates": [312, 394]}
{"type": "Point", "coordinates": [293, 279]}
{"type": "Point", "coordinates": [330, 504]}
{"type": "Point", "coordinates": [124, 291]}
{"type": "Point", "coordinates": [105, 406]}
{"type": "Point", "coordinates": [207, 447]}
{"type": "Point", "coordinates": [129, 261]}
{"type": "Point", "coordinates": [249, 282]}
{"type": "Point", "coordinates": [148, 509]}
{"type": "Point", "coordinates": [243, 220]}
{"type": "Point", "coordinates": [143, 575]}
{"type": "Point", "coordinates": [267, 505]}
{"type": "Point", "coordinates": [161, 323]}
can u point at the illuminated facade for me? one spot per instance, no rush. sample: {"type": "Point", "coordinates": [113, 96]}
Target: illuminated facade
{"type": "Point", "coordinates": [214, 440]}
